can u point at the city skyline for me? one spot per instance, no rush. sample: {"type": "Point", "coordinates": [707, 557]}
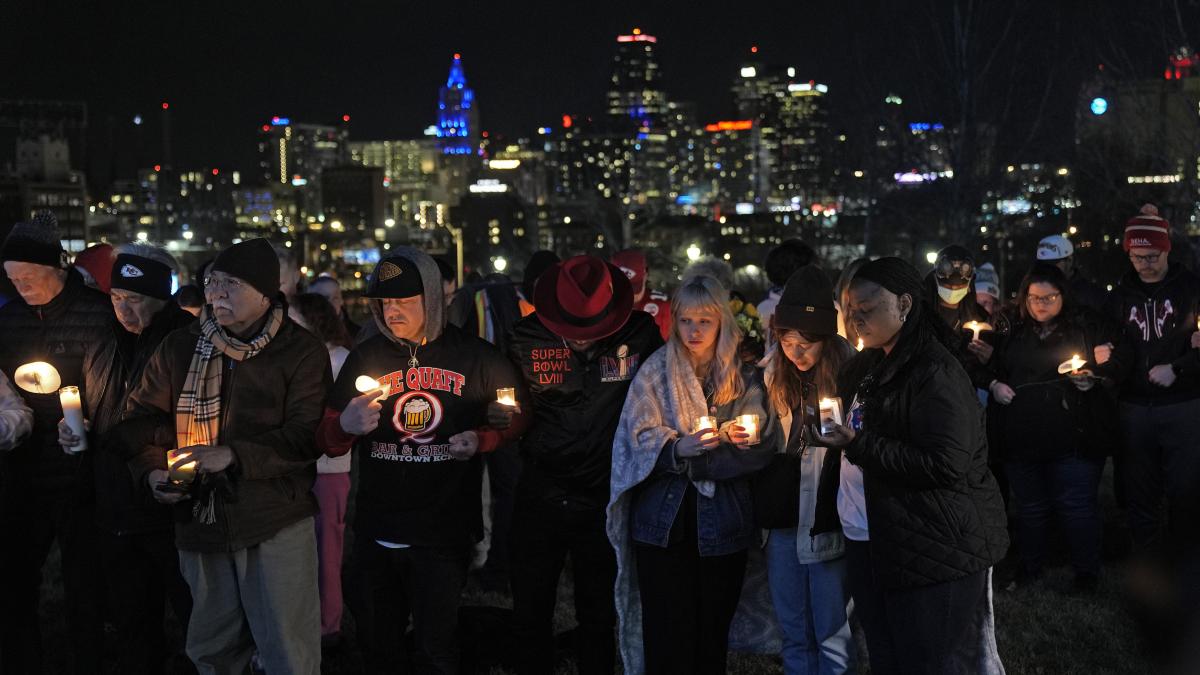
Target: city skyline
{"type": "Point", "coordinates": [529, 64]}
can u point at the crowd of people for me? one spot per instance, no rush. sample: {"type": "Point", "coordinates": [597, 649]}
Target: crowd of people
{"type": "Point", "coordinates": [870, 440]}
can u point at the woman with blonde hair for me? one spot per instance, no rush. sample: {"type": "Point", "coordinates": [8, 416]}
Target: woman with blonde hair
{"type": "Point", "coordinates": [695, 426]}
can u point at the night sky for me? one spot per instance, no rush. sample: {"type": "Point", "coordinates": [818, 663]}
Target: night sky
{"type": "Point", "coordinates": [227, 67]}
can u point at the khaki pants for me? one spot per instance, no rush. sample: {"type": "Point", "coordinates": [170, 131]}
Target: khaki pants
{"type": "Point", "coordinates": [264, 596]}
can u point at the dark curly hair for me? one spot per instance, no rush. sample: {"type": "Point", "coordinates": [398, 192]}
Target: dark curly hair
{"type": "Point", "coordinates": [322, 320]}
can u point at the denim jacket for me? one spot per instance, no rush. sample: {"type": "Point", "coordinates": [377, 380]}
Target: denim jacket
{"type": "Point", "coordinates": [725, 521]}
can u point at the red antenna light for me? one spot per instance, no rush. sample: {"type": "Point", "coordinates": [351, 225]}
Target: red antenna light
{"type": "Point", "coordinates": [567, 121]}
{"type": "Point", "coordinates": [166, 105]}
{"type": "Point", "coordinates": [484, 134]}
{"type": "Point", "coordinates": [345, 118]}
{"type": "Point", "coordinates": [457, 56]}
{"type": "Point", "coordinates": [216, 171]}
{"type": "Point", "coordinates": [754, 49]}
{"type": "Point", "coordinates": [157, 167]}
{"type": "Point", "coordinates": [266, 127]}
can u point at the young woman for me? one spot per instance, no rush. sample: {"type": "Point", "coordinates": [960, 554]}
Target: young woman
{"type": "Point", "coordinates": [680, 518]}
{"type": "Point", "coordinates": [1055, 471]}
{"type": "Point", "coordinates": [332, 487]}
{"type": "Point", "coordinates": [796, 497]}
{"type": "Point", "coordinates": [921, 513]}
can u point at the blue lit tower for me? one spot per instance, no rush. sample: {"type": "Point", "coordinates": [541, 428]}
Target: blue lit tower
{"type": "Point", "coordinates": [457, 118]}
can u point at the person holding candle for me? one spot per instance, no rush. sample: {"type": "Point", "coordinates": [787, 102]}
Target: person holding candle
{"type": "Point", "coordinates": [950, 292]}
{"type": "Point", "coordinates": [680, 516]}
{"type": "Point", "coordinates": [1055, 471]}
{"type": "Point", "coordinates": [137, 548]}
{"type": "Point", "coordinates": [577, 354]}
{"type": "Point", "coordinates": [796, 496]}
{"type": "Point", "coordinates": [1059, 251]}
{"type": "Point", "coordinates": [418, 511]}
{"type": "Point", "coordinates": [45, 493]}
{"type": "Point", "coordinates": [921, 512]}
{"type": "Point", "coordinates": [315, 313]}
{"type": "Point", "coordinates": [241, 393]}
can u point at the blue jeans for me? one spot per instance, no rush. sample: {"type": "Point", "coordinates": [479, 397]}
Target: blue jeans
{"type": "Point", "coordinates": [810, 603]}
{"type": "Point", "coordinates": [1066, 488]}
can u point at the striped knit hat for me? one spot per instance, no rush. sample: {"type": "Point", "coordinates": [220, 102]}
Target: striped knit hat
{"type": "Point", "coordinates": [1148, 230]}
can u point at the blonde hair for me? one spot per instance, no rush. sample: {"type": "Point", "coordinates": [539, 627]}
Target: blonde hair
{"type": "Point", "coordinates": [705, 293]}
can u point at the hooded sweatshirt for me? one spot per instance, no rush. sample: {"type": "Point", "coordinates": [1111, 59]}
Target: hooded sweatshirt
{"type": "Point", "coordinates": [411, 490]}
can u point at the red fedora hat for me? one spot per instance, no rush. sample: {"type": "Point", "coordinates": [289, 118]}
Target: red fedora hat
{"type": "Point", "coordinates": [583, 298]}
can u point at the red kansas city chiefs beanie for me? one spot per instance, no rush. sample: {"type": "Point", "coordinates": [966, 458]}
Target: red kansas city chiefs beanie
{"type": "Point", "coordinates": [1148, 230]}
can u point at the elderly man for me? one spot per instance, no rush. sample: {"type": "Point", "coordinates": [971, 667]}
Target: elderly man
{"type": "Point", "coordinates": [140, 562]}
{"type": "Point", "coordinates": [239, 394]}
{"type": "Point", "coordinates": [418, 508]}
{"type": "Point", "coordinates": [578, 354]}
{"type": "Point", "coordinates": [44, 495]}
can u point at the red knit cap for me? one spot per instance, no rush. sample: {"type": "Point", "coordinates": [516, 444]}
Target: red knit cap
{"type": "Point", "coordinates": [1148, 230]}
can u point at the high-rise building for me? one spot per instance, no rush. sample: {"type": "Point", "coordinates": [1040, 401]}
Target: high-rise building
{"type": "Point", "coordinates": [294, 154]}
{"type": "Point", "coordinates": [729, 165]}
{"type": "Point", "coordinates": [458, 116]}
{"type": "Point", "coordinates": [409, 172]}
{"type": "Point", "coordinates": [635, 95]}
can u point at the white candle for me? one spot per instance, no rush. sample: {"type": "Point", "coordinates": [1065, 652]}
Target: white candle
{"type": "Point", "coordinates": [38, 377]}
{"type": "Point", "coordinates": [705, 422]}
{"type": "Point", "coordinates": [184, 473]}
{"type": "Point", "coordinates": [366, 383]}
{"type": "Point", "coordinates": [750, 424]}
{"type": "Point", "coordinates": [72, 408]}
{"type": "Point", "coordinates": [507, 396]}
{"type": "Point", "coordinates": [831, 414]}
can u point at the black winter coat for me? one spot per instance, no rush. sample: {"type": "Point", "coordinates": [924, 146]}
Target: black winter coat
{"type": "Point", "coordinates": [59, 333]}
{"type": "Point", "coordinates": [270, 407]}
{"type": "Point", "coordinates": [1156, 330]}
{"type": "Point", "coordinates": [934, 510]}
{"type": "Point", "coordinates": [112, 369]}
{"type": "Point", "coordinates": [1049, 418]}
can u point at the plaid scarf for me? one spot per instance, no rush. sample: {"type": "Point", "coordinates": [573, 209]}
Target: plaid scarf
{"type": "Point", "coordinates": [198, 411]}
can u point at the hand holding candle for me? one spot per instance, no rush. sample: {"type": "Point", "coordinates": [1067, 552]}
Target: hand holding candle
{"type": "Point", "coordinates": [749, 424]}
{"type": "Point", "coordinates": [366, 384]}
{"type": "Point", "coordinates": [705, 422]}
{"type": "Point", "coordinates": [1072, 365]}
{"type": "Point", "coordinates": [72, 408]}
{"type": "Point", "coordinates": [179, 470]}
{"type": "Point", "coordinates": [976, 327]}
{"type": "Point", "coordinates": [830, 415]}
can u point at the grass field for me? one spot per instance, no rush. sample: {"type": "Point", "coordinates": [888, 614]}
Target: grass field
{"type": "Point", "coordinates": [1041, 629]}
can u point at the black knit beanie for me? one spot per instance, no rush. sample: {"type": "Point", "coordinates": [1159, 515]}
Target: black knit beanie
{"type": "Point", "coordinates": [254, 262]}
{"type": "Point", "coordinates": [894, 274]}
{"type": "Point", "coordinates": [37, 242]}
{"type": "Point", "coordinates": [141, 275]}
{"type": "Point", "coordinates": [806, 304]}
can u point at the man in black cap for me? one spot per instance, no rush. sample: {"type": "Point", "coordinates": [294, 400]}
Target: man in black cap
{"type": "Point", "coordinates": [578, 354]}
{"type": "Point", "coordinates": [418, 509]}
{"type": "Point", "coordinates": [140, 563]}
{"type": "Point", "coordinates": [44, 492]}
{"type": "Point", "coordinates": [239, 394]}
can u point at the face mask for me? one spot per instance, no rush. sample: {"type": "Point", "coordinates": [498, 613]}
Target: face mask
{"type": "Point", "coordinates": [952, 296]}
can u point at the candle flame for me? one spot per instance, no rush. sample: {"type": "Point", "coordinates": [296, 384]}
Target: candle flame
{"type": "Point", "coordinates": [860, 344]}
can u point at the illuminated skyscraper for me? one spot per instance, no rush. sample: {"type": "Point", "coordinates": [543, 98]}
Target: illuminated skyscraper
{"type": "Point", "coordinates": [635, 94]}
{"type": "Point", "coordinates": [458, 117]}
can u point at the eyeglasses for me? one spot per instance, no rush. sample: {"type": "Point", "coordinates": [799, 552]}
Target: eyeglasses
{"type": "Point", "coordinates": [1151, 259]}
{"type": "Point", "coordinates": [1043, 300]}
{"type": "Point", "coordinates": [230, 284]}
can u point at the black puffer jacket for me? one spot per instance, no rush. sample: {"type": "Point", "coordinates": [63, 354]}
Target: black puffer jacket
{"type": "Point", "coordinates": [933, 507]}
{"type": "Point", "coordinates": [270, 406]}
{"type": "Point", "coordinates": [60, 333]}
{"type": "Point", "coordinates": [111, 370]}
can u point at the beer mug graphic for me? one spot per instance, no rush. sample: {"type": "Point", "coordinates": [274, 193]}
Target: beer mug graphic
{"type": "Point", "coordinates": [417, 416]}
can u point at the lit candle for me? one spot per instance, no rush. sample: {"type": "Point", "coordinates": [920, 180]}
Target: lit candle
{"type": "Point", "coordinates": [1071, 365]}
{"type": "Point", "coordinates": [705, 422]}
{"type": "Point", "coordinates": [507, 396]}
{"type": "Point", "coordinates": [860, 345]}
{"type": "Point", "coordinates": [750, 424]}
{"type": "Point", "coordinates": [38, 377]}
{"type": "Point", "coordinates": [184, 473]}
{"type": "Point", "coordinates": [831, 415]}
{"type": "Point", "coordinates": [365, 384]}
{"type": "Point", "coordinates": [976, 328]}
{"type": "Point", "coordinates": [72, 408]}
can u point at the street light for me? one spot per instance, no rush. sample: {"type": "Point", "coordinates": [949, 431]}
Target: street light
{"type": "Point", "coordinates": [500, 263]}
{"type": "Point", "coordinates": [931, 257]}
{"type": "Point", "coordinates": [693, 252]}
